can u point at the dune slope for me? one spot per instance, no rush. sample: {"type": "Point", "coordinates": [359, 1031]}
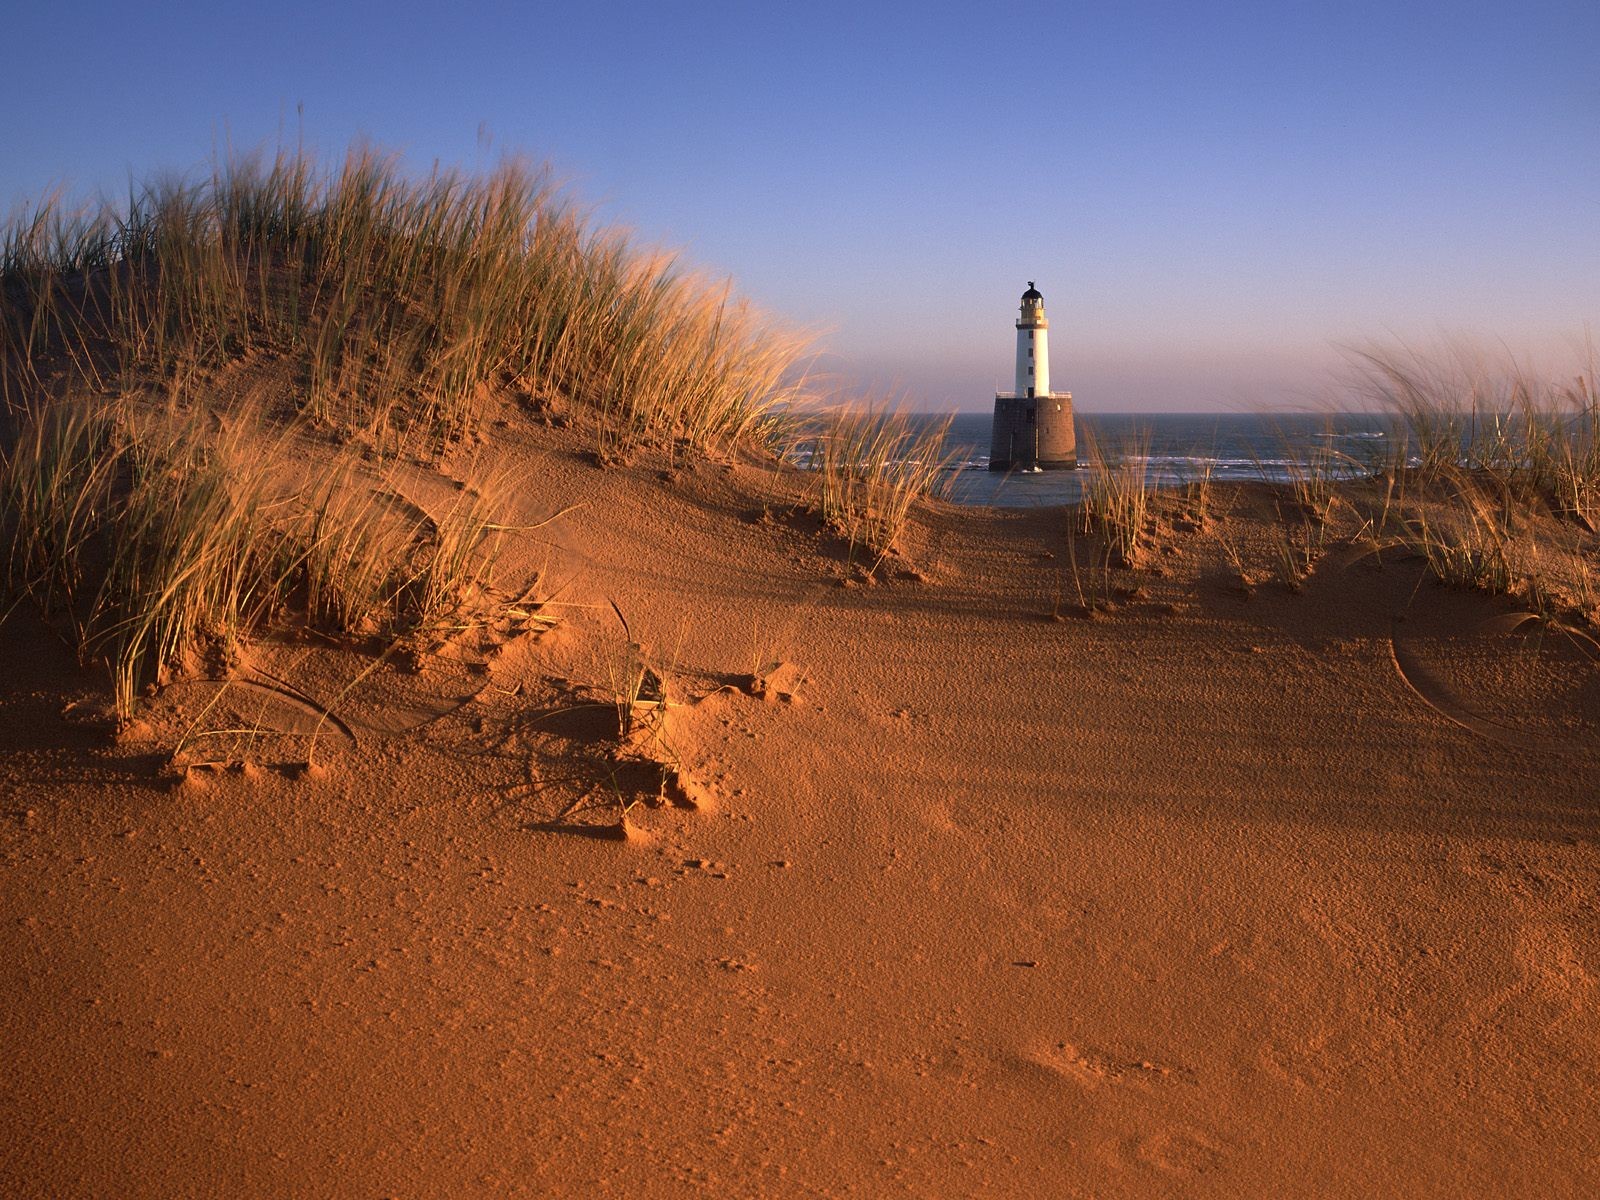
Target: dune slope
{"type": "Point", "coordinates": [963, 894]}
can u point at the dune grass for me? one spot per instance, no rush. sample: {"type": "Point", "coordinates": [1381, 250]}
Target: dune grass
{"type": "Point", "coordinates": [162, 518]}
{"type": "Point", "coordinates": [1116, 497]}
{"type": "Point", "coordinates": [402, 302]}
{"type": "Point", "coordinates": [1494, 475]}
{"type": "Point", "coordinates": [1472, 540]}
{"type": "Point", "coordinates": [1454, 410]}
{"type": "Point", "coordinates": [872, 464]}
{"type": "Point", "coordinates": [157, 538]}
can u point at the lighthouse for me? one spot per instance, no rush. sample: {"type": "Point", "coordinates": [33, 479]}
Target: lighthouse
{"type": "Point", "coordinates": [1032, 424]}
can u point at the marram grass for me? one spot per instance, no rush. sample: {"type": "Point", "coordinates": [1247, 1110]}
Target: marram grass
{"type": "Point", "coordinates": [162, 518]}
{"type": "Point", "coordinates": [871, 465]}
{"type": "Point", "coordinates": [1116, 497]}
{"type": "Point", "coordinates": [1494, 478]}
{"type": "Point", "coordinates": [157, 538]}
{"type": "Point", "coordinates": [403, 301]}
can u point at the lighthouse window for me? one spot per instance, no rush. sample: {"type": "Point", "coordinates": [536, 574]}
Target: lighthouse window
{"type": "Point", "coordinates": [1030, 351]}
{"type": "Point", "coordinates": [1030, 370]}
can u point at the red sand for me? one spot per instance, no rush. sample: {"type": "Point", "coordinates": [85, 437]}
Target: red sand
{"type": "Point", "coordinates": [1286, 895]}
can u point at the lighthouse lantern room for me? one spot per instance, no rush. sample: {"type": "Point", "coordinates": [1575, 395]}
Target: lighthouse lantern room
{"type": "Point", "coordinates": [1032, 425]}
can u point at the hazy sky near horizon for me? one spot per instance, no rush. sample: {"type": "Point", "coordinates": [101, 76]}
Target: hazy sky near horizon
{"type": "Point", "coordinates": [1210, 196]}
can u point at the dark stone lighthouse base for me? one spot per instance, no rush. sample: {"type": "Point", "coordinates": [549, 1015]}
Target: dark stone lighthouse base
{"type": "Point", "coordinates": [1033, 431]}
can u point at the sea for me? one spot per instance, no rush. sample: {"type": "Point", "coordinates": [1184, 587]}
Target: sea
{"type": "Point", "coordinates": [1175, 448]}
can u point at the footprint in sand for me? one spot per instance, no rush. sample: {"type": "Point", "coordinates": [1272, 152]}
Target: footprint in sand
{"type": "Point", "coordinates": [1180, 1150]}
{"type": "Point", "coordinates": [1554, 989]}
{"type": "Point", "coordinates": [1089, 1069]}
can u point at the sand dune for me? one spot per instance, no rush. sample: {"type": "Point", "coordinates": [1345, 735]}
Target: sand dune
{"type": "Point", "coordinates": [933, 886]}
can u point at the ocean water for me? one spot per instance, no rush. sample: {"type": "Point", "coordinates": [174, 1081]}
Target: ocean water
{"type": "Point", "coordinates": [1175, 448]}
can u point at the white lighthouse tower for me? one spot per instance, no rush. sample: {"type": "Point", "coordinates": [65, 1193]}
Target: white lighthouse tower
{"type": "Point", "coordinates": [1033, 346]}
{"type": "Point", "coordinates": [1032, 425]}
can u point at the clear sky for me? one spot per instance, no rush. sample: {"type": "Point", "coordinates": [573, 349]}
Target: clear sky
{"type": "Point", "coordinates": [1210, 195]}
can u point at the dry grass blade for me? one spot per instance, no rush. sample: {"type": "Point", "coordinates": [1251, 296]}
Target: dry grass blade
{"type": "Point", "coordinates": [1473, 541]}
{"type": "Point", "coordinates": [1495, 478]}
{"type": "Point", "coordinates": [872, 465]}
{"type": "Point", "coordinates": [1116, 497]}
{"type": "Point", "coordinates": [400, 304]}
{"type": "Point", "coordinates": [406, 300]}
{"type": "Point", "coordinates": [161, 539]}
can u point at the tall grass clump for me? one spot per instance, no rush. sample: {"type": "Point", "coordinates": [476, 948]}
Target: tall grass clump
{"type": "Point", "coordinates": [1475, 540]}
{"type": "Point", "coordinates": [1314, 475]}
{"type": "Point", "coordinates": [1116, 497]}
{"type": "Point", "coordinates": [1305, 497]}
{"type": "Point", "coordinates": [871, 465]}
{"type": "Point", "coordinates": [160, 517]}
{"type": "Point", "coordinates": [158, 540]}
{"type": "Point", "coordinates": [403, 302]}
{"type": "Point", "coordinates": [1495, 479]}
{"type": "Point", "coordinates": [1457, 410]}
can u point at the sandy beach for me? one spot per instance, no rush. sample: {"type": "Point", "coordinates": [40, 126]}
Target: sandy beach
{"type": "Point", "coordinates": [934, 881]}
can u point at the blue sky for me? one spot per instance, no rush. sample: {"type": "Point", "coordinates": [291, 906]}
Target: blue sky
{"type": "Point", "coordinates": [1211, 196]}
